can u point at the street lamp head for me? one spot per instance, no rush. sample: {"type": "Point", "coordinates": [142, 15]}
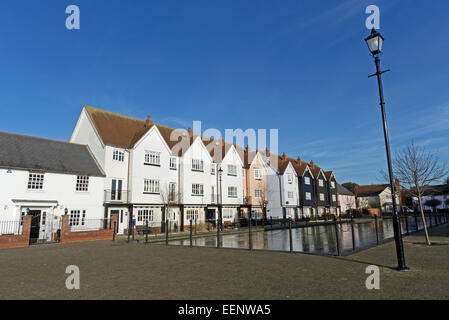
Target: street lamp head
{"type": "Point", "coordinates": [375, 42]}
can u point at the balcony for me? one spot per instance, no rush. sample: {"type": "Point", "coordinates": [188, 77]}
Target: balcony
{"type": "Point", "coordinates": [116, 196]}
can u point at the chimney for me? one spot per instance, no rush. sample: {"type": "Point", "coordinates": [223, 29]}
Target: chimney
{"type": "Point", "coordinates": [222, 141]}
{"type": "Point", "coordinates": [267, 152]}
{"type": "Point", "coordinates": [190, 132]}
{"type": "Point", "coordinates": [284, 157]}
{"type": "Point", "coordinates": [299, 159]}
{"type": "Point", "coordinates": [149, 121]}
{"type": "Point", "coordinates": [247, 148]}
{"type": "Point", "coordinates": [312, 164]}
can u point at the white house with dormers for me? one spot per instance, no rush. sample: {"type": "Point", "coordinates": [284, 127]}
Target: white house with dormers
{"type": "Point", "coordinates": [47, 179]}
{"type": "Point", "coordinates": [153, 181]}
{"type": "Point", "coordinates": [282, 188]}
{"type": "Point", "coordinates": [197, 181]}
{"type": "Point", "coordinates": [229, 180]}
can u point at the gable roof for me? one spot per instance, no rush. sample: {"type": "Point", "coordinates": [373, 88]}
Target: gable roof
{"type": "Point", "coordinates": [371, 190]}
{"type": "Point", "coordinates": [343, 191]}
{"type": "Point", "coordinates": [37, 154]}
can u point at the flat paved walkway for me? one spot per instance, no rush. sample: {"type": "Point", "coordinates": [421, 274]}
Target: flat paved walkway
{"type": "Point", "coordinates": [136, 271]}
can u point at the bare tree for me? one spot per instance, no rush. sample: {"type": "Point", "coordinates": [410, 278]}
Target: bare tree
{"type": "Point", "coordinates": [417, 167]}
{"type": "Point", "coordinates": [170, 198]}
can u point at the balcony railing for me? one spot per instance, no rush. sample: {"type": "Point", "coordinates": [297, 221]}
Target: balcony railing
{"type": "Point", "coordinates": [119, 196]}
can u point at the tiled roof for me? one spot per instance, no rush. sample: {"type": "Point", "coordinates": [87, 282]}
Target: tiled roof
{"type": "Point", "coordinates": [370, 190]}
{"type": "Point", "coordinates": [36, 154]}
{"type": "Point", "coordinates": [343, 191]}
{"type": "Point", "coordinates": [124, 132]}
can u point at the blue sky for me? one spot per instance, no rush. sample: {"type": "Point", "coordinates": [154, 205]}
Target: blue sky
{"type": "Point", "coordinates": [297, 66]}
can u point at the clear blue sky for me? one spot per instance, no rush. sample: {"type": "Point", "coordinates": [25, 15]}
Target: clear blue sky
{"type": "Point", "coordinates": [299, 66]}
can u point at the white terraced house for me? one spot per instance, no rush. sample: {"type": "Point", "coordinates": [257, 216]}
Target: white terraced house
{"type": "Point", "coordinates": [282, 188]}
{"type": "Point", "coordinates": [47, 179]}
{"type": "Point", "coordinates": [158, 173]}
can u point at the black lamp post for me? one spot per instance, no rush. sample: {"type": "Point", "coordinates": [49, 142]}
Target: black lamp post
{"type": "Point", "coordinates": [375, 42]}
{"type": "Point", "coordinates": [220, 172]}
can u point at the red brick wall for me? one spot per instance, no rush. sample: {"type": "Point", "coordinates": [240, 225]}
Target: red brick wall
{"type": "Point", "coordinates": [19, 240]}
{"type": "Point", "coordinates": [67, 236]}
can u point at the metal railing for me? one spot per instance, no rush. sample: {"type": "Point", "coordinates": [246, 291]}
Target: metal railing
{"type": "Point", "coordinates": [116, 196]}
{"type": "Point", "coordinates": [10, 227]}
{"type": "Point", "coordinates": [89, 225]}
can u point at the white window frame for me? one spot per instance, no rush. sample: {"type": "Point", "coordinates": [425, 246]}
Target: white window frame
{"type": "Point", "coordinates": [257, 173]}
{"type": "Point", "coordinates": [321, 182]}
{"type": "Point", "coordinates": [197, 189]}
{"type": "Point", "coordinates": [151, 186]}
{"type": "Point", "coordinates": [173, 163]}
{"type": "Point", "coordinates": [321, 196]}
{"type": "Point", "coordinates": [77, 218]}
{"type": "Point", "coordinates": [332, 184]}
{"type": "Point", "coordinates": [118, 155]}
{"type": "Point", "coordinates": [334, 198]}
{"type": "Point", "coordinates": [232, 170]}
{"type": "Point", "coordinates": [145, 215]}
{"type": "Point", "coordinates": [290, 178]}
{"type": "Point", "coordinates": [232, 192]}
{"type": "Point", "coordinates": [192, 214]}
{"type": "Point", "coordinates": [35, 181]}
{"type": "Point", "coordinates": [290, 194]}
{"type": "Point", "coordinates": [212, 169]}
{"type": "Point", "coordinates": [307, 180]}
{"type": "Point", "coordinates": [308, 196]}
{"type": "Point", "coordinates": [228, 213]}
{"type": "Point", "coordinates": [258, 193]}
{"type": "Point", "coordinates": [197, 165]}
{"type": "Point", "coordinates": [152, 158]}
{"type": "Point", "coordinates": [82, 183]}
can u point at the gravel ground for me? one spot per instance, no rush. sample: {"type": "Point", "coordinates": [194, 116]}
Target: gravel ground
{"type": "Point", "coordinates": [135, 271]}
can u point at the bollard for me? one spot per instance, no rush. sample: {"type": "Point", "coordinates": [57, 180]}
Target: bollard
{"type": "Point", "coordinates": [336, 236]}
{"type": "Point", "coordinates": [166, 232]}
{"type": "Point", "coordinates": [218, 233]}
{"type": "Point", "coordinates": [249, 234]}
{"type": "Point", "coordinates": [377, 229]}
{"type": "Point", "coordinates": [352, 234]}
{"type": "Point", "coordinates": [113, 232]}
{"type": "Point", "coordinates": [147, 231]}
{"type": "Point", "coordinates": [406, 224]}
{"type": "Point", "coordinates": [416, 222]}
{"type": "Point", "coordinates": [290, 234]}
{"type": "Point", "coordinates": [191, 230]}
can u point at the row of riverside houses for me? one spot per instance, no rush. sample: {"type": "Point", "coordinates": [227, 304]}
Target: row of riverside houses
{"type": "Point", "coordinates": [151, 172]}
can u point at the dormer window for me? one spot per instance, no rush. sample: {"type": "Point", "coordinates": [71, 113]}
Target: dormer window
{"type": "Point", "coordinates": [307, 180]}
{"type": "Point", "coordinates": [320, 182]}
{"type": "Point", "coordinates": [118, 155]}
{"type": "Point", "coordinates": [333, 184]}
{"type": "Point", "coordinates": [290, 178]}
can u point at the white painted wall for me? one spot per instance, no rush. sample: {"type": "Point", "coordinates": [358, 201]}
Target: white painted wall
{"type": "Point", "coordinates": [196, 151]}
{"type": "Point", "coordinates": [152, 141]}
{"type": "Point", "coordinates": [58, 188]}
{"type": "Point", "coordinates": [85, 133]}
{"type": "Point", "coordinates": [232, 158]}
{"type": "Point", "coordinates": [274, 205]}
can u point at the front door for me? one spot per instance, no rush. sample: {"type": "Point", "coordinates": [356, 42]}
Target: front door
{"type": "Point", "coordinates": [35, 225]}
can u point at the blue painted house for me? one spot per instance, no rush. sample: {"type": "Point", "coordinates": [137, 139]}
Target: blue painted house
{"type": "Point", "coordinates": [306, 188]}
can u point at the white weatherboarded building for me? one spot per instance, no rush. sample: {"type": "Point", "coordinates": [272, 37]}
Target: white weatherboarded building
{"type": "Point", "coordinates": [158, 173]}
{"type": "Point", "coordinates": [46, 179]}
